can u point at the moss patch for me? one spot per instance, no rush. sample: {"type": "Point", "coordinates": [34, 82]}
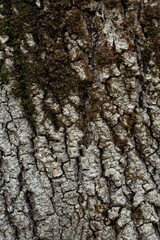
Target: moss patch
{"type": "Point", "coordinates": [3, 78]}
{"type": "Point", "coordinates": [20, 18]}
{"type": "Point", "coordinates": [106, 56]}
{"type": "Point", "coordinates": [3, 75]}
{"type": "Point", "coordinates": [151, 16]}
{"type": "Point", "coordinates": [112, 3]}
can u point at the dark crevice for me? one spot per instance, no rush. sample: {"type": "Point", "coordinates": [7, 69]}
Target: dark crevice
{"type": "Point", "coordinates": [78, 167]}
{"type": "Point", "coordinates": [30, 204]}
{"type": "Point", "coordinates": [102, 164]}
{"type": "Point", "coordinates": [140, 99]}
{"type": "Point", "coordinates": [124, 6]}
{"type": "Point", "coordinates": [42, 4]}
{"type": "Point", "coordinates": [20, 180]}
{"type": "Point", "coordinates": [20, 176]}
{"type": "Point", "coordinates": [34, 151]}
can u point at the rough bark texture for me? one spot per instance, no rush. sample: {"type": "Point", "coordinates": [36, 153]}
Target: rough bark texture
{"type": "Point", "coordinates": [79, 120]}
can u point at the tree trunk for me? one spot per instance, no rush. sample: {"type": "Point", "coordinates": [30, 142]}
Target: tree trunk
{"type": "Point", "coordinates": [79, 119]}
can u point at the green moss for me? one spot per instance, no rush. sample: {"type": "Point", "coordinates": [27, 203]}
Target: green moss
{"type": "Point", "coordinates": [111, 3]}
{"type": "Point", "coordinates": [82, 3]}
{"type": "Point", "coordinates": [3, 75]}
{"type": "Point", "coordinates": [3, 78]}
{"type": "Point", "coordinates": [21, 90]}
{"type": "Point", "coordinates": [88, 237]}
{"type": "Point", "coordinates": [146, 53]}
{"type": "Point", "coordinates": [74, 25]}
{"type": "Point", "coordinates": [1, 63]}
{"type": "Point", "coordinates": [151, 31]}
{"type": "Point", "coordinates": [54, 73]}
{"type": "Point", "coordinates": [16, 25]}
{"type": "Point", "coordinates": [57, 73]}
{"type": "Point", "coordinates": [106, 56]}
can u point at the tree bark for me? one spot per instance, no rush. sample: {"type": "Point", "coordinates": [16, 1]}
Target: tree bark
{"type": "Point", "coordinates": [79, 120]}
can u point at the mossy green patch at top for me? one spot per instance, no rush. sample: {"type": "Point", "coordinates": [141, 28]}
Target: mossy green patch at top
{"type": "Point", "coordinates": [150, 24]}
{"type": "Point", "coordinates": [112, 3]}
{"type": "Point", "coordinates": [88, 237]}
{"type": "Point", "coordinates": [106, 56]}
{"type": "Point", "coordinates": [3, 75]}
{"type": "Point", "coordinates": [20, 17]}
{"type": "Point", "coordinates": [57, 73]}
{"type": "Point", "coordinates": [3, 78]}
{"type": "Point", "coordinates": [21, 90]}
{"type": "Point", "coordinates": [54, 73]}
{"type": "Point", "coordinates": [108, 3]}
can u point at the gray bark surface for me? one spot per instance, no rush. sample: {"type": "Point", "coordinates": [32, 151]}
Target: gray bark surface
{"type": "Point", "coordinates": [79, 120]}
